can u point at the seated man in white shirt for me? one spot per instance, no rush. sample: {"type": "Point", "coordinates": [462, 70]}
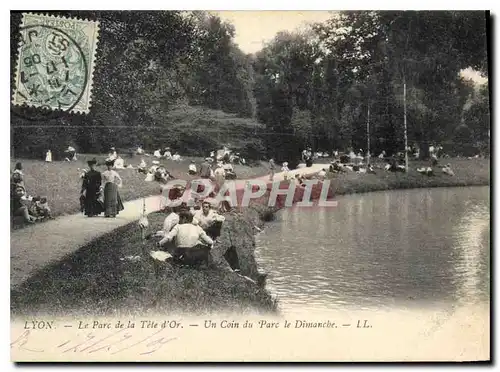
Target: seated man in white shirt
{"type": "Point", "coordinates": [229, 171]}
{"type": "Point", "coordinates": [192, 244]}
{"type": "Point", "coordinates": [208, 219]}
{"type": "Point", "coordinates": [170, 221]}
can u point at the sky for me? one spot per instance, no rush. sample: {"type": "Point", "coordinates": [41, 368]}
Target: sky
{"type": "Point", "coordinates": [254, 28]}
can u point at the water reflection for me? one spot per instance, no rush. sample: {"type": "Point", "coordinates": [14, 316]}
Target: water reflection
{"type": "Point", "coordinates": [399, 248]}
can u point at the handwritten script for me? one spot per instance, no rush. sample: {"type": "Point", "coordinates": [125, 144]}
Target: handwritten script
{"type": "Point", "coordinates": [89, 343]}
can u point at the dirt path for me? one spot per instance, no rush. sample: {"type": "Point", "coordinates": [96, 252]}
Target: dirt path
{"type": "Point", "coordinates": [35, 246]}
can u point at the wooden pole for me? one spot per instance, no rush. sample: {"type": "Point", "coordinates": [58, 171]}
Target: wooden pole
{"type": "Point", "coordinates": [368, 137]}
{"type": "Point", "coordinates": [405, 123]}
{"type": "Point", "coordinates": [143, 228]}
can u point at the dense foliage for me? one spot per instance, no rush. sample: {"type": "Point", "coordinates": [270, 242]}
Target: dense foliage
{"type": "Point", "coordinates": [177, 78]}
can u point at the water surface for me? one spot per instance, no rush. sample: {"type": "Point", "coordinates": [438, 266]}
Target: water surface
{"type": "Point", "coordinates": [383, 250]}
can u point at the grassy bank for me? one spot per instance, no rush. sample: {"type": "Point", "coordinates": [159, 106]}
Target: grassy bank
{"type": "Point", "coordinates": [60, 181]}
{"type": "Point", "coordinates": [468, 172]}
{"type": "Point", "coordinates": [95, 281]}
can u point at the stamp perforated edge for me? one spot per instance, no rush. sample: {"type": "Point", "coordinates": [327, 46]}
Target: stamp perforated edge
{"type": "Point", "coordinates": [92, 62]}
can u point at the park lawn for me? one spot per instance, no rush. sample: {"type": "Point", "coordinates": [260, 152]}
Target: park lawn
{"type": "Point", "coordinates": [60, 181]}
{"type": "Point", "coordinates": [94, 281]}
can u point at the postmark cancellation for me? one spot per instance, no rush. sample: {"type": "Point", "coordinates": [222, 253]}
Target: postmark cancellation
{"type": "Point", "coordinates": [55, 63]}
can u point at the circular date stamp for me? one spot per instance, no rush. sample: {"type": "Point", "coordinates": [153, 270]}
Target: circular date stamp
{"type": "Point", "coordinates": [54, 65]}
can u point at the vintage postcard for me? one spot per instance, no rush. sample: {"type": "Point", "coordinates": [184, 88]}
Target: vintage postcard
{"type": "Point", "coordinates": [284, 186]}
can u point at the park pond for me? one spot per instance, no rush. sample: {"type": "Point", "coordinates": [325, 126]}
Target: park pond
{"type": "Point", "coordinates": [405, 249]}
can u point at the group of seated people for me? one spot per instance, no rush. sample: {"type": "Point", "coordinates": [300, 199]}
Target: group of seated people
{"type": "Point", "coordinates": [189, 233]}
{"type": "Point", "coordinates": [30, 208]}
{"type": "Point", "coordinates": [226, 169]}
{"type": "Point", "coordinates": [118, 162]}
{"type": "Point", "coordinates": [222, 171]}
{"type": "Point", "coordinates": [226, 155]}
{"type": "Point", "coordinates": [299, 179]}
{"type": "Point", "coordinates": [394, 166]}
{"type": "Point", "coordinates": [336, 166]}
{"type": "Point", "coordinates": [157, 172]}
{"type": "Point", "coordinates": [167, 154]}
{"type": "Point", "coordinates": [428, 171]}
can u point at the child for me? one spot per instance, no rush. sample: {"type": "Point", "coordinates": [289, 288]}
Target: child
{"type": "Point", "coordinates": [42, 208]}
{"type": "Point", "coordinates": [271, 169]}
{"type": "Point", "coordinates": [31, 203]}
{"type": "Point", "coordinates": [285, 170]}
{"type": "Point", "coordinates": [142, 168]}
{"type": "Point", "coordinates": [447, 170]}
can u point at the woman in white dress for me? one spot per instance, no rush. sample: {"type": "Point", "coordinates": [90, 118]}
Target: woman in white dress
{"type": "Point", "coordinates": [48, 156]}
{"type": "Point", "coordinates": [219, 176]}
{"type": "Point", "coordinates": [112, 181]}
{"type": "Point", "coordinates": [119, 163]}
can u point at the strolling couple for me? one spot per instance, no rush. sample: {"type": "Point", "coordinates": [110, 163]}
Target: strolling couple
{"type": "Point", "coordinates": [93, 190]}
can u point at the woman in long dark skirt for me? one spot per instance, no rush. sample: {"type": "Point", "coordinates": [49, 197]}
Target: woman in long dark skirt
{"type": "Point", "coordinates": [90, 191]}
{"type": "Point", "coordinates": [112, 181]}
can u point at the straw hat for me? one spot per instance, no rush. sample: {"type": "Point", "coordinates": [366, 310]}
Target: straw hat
{"type": "Point", "coordinates": [19, 186]}
{"type": "Point", "coordinates": [212, 201]}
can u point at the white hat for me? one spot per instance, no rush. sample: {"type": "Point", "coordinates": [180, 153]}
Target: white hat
{"type": "Point", "coordinates": [212, 201]}
{"type": "Point", "coordinates": [156, 162]}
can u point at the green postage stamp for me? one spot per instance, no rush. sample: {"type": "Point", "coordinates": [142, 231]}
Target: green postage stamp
{"type": "Point", "coordinates": [55, 63]}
